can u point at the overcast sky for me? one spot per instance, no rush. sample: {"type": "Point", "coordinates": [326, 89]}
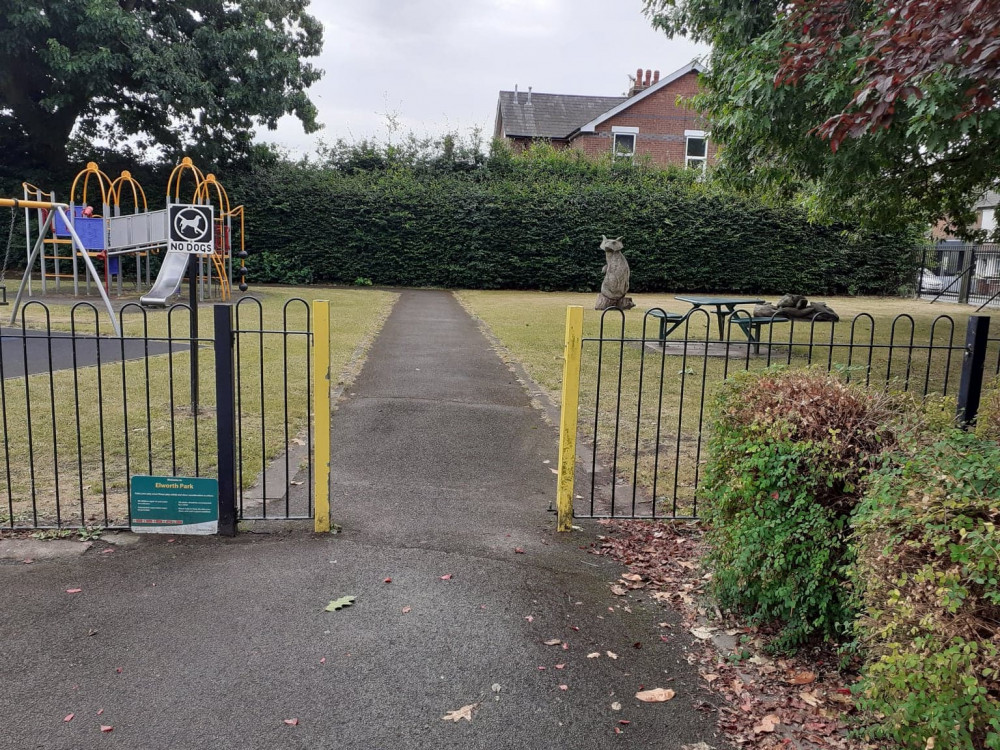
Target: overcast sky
{"type": "Point", "coordinates": [439, 64]}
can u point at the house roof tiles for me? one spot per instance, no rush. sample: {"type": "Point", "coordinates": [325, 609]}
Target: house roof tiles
{"type": "Point", "coordinates": [550, 115]}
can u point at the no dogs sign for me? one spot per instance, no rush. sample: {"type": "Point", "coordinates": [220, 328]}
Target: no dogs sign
{"type": "Point", "coordinates": [191, 229]}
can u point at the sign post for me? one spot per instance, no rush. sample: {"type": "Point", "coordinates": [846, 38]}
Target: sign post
{"type": "Point", "coordinates": [174, 505]}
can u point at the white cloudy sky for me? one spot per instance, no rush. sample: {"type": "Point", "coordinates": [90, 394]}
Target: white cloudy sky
{"type": "Point", "coordinates": [438, 64]}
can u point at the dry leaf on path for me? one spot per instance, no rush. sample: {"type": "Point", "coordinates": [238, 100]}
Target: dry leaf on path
{"type": "Point", "coordinates": [69, 717]}
{"type": "Point", "coordinates": [406, 610]}
{"type": "Point", "coordinates": [552, 642]}
{"type": "Point", "coordinates": [593, 654]}
{"type": "Point", "coordinates": [768, 724]}
{"type": "Point", "coordinates": [73, 591]}
{"type": "Point", "coordinates": [292, 722]}
{"type": "Point", "coordinates": [633, 577]}
{"type": "Point", "coordinates": [336, 604]}
{"type": "Point", "coordinates": [619, 590]}
{"type": "Point", "coordinates": [616, 706]}
{"type": "Point", "coordinates": [105, 728]}
{"type": "Point", "coordinates": [656, 695]}
{"type": "Point", "coordinates": [446, 577]}
{"type": "Point", "coordinates": [802, 678]}
{"type": "Point", "coordinates": [811, 698]}
{"type": "Point", "coordinates": [465, 712]}
{"type": "Point", "coordinates": [703, 633]}
{"type": "Point", "coordinates": [611, 654]}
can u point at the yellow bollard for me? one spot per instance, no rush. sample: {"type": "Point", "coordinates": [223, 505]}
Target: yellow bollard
{"type": "Point", "coordinates": [321, 413]}
{"type": "Point", "coordinates": [568, 416]}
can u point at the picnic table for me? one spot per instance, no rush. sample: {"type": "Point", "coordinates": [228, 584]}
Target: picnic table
{"type": "Point", "coordinates": [729, 303]}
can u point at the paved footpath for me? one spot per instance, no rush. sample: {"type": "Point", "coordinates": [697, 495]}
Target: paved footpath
{"type": "Point", "coordinates": [439, 469]}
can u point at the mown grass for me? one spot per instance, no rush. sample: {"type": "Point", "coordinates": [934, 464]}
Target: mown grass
{"type": "Point", "coordinates": [650, 440]}
{"type": "Point", "coordinates": [136, 417]}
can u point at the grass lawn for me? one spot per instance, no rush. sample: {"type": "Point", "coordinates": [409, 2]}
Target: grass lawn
{"type": "Point", "coordinates": [108, 424]}
{"type": "Point", "coordinates": [651, 439]}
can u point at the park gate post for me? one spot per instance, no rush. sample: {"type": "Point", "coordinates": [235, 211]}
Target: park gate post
{"type": "Point", "coordinates": [568, 417]}
{"type": "Point", "coordinates": [225, 412]}
{"type": "Point", "coordinates": [321, 413]}
{"type": "Point", "coordinates": [970, 387]}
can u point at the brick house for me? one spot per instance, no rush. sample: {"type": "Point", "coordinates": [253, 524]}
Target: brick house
{"type": "Point", "coordinates": [647, 122]}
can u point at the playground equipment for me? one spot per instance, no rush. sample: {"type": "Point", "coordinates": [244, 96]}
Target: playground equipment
{"type": "Point", "coordinates": [114, 236]}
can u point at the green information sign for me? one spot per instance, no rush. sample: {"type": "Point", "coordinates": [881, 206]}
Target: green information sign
{"type": "Point", "coordinates": [175, 505]}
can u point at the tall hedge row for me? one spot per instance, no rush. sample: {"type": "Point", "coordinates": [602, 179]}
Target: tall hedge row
{"type": "Point", "coordinates": [526, 227]}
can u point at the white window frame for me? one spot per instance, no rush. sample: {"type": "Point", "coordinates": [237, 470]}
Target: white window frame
{"type": "Point", "coordinates": [625, 131]}
{"type": "Point", "coordinates": [688, 159]}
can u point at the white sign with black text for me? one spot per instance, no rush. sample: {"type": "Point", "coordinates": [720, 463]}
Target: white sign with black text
{"type": "Point", "coordinates": [191, 229]}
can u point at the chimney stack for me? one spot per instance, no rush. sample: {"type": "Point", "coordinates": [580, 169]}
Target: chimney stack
{"type": "Point", "coordinates": [528, 103]}
{"type": "Point", "coordinates": [515, 94]}
{"type": "Point", "coordinates": [643, 80]}
{"type": "Point", "coordinates": [656, 76]}
{"type": "Point", "coordinates": [649, 75]}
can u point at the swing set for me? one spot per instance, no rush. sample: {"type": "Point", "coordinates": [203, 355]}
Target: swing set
{"type": "Point", "coordinates": [115, 235]}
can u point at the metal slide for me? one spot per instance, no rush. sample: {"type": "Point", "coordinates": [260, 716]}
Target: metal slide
{"type": "Point", "coordinates": [168, 280]}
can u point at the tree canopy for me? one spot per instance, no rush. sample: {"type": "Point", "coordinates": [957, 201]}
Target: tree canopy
{"type": "Point", "coordinates": [177, 74]}
{"type": "Point", "coordinates": [883, 110]}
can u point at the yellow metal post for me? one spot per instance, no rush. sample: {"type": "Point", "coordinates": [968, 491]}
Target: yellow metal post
{"type": "Point", "coordinates": [568, 416]}
{"type": "Point", "coordinates": [321, 413]}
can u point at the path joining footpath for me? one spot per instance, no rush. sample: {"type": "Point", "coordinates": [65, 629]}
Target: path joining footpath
{"type": "Point", "coordinates": [441, 482]}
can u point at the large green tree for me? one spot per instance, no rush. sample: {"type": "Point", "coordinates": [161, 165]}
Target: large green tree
{"type": "Point", "coordinates": [882, 110]}
{"type": "Point", "coordinates": [174, 74]}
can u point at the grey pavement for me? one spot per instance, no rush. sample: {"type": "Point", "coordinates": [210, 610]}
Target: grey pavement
{"type": "Point", "coordinates": [438, 469]}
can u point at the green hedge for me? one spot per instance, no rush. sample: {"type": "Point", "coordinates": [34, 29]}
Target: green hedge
{"type": "Point", "coordinates": [520, 224]}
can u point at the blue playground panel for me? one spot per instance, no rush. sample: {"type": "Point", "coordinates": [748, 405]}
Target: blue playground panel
{"type": "Point", "coordinates": [91, 231]}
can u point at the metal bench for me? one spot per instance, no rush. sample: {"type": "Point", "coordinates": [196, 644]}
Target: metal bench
{"type": "Point", "coordinates": [665, 318]}
{"type": "Point", "coordinates": [751, 326]}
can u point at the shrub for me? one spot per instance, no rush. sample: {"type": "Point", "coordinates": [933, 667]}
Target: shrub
{"type": "Point", "coordinates": [927, 569]}
{"type": "Point", "coordinates": [785, 461]}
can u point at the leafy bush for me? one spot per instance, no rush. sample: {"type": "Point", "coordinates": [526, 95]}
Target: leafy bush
{"type": "Point", "coordinates": [786, 458]}
{"type": "Point", "coordinates": [928, 576]}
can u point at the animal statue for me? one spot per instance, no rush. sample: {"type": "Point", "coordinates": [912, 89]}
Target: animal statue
{"type": "Point", "coordinates": [797, 306]}
{"type": "Point", "coordinates": [616, 273]}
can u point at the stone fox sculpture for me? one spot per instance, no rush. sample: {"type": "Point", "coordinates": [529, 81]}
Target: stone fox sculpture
{"type": "Point", "coordinates": [616, 273]}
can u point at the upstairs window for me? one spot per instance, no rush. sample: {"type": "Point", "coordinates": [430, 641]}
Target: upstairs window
{"type": "Point", "coordinates": [623, 142]}
{"type": "Point", "coordinates": [696, 150]}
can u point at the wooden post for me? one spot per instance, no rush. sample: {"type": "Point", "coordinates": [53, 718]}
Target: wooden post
{"type": "Point", "coordinates": [568, 416]}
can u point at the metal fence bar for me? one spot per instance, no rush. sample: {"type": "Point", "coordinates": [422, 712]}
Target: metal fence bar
{"type": "Point", "coordinates": [225, 417]}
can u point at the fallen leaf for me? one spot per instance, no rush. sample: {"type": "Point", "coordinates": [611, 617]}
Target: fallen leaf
{"type": "Point", "coordinates": [618, 590]}
{"type": "Point", "coordinates": [292, 722]}
{"type": "Point", "coordinates": [703, 633]}
{"type": "Point", "coordinates": [465, 712]}
{"type": "Point", "coordinates": [633, 577]}
{"type": "Point", "coordinates": [107, 551]}
{"type": "Point", "coordinates": [560, 666]}
{"type": "Point", "coordinates": [69, 717]}
{"type": "Point", "coordinates": [529, 618]}
{"type": "Point", "coordinates": [118, 670]}
{"type": "Point", "coordinates": [710, 677]}
{"type": "Point", "coordinates": [335, 604]}
{"type": "Point", "coordinates": [552, 642]}
{"type": "Point", "coordinates": [446, 577]}
{"type": "Point", "coordinates": [593, 654]}
{"type": "Point", "coordinates": [802, 678]}
{"type": "Point", "coordinates": [811, 698]}
{"type": "Point", "coordinates": [616, 706]}
{"type": "Point", "coordinates": [387, 580]}
{"type": "Point", "coordinates": [100, 711]}
{"type": "Point", "coordinates": [768, 724]}
{"type": "Point", "coordinates": [495, 687]}
{"type": "Point", "coordinates": [565, 647]}
{"type": "Point", "coordinates": [73, 591]}
{"type": "Point", "coordinates": [564, 687]}
{"type": "Point", "coordinates": [105, 728]}
{"type": "Point", "coordinates": [656, 695]}
{"type": "Point", "coordinates": [930, 744]}
{"type": "Point", "coordinates": [323, 660]}
{"type": "Point", "coordinates": [625, 722]}
{"type": "Point", "coordinates": [553, 470]}
{"type": "Point", "coordinates": [27, 561]}
{"type": "Point", "coordinates": [406, 610]}
{"type": "Point", "coordinates": [518, 551]}
{"type": "Point", "coordinates": [759, 660]}
{"type": "Point", "coordinates": [611, 654]}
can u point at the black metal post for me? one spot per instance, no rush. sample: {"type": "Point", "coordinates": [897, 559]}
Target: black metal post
{"type": "Point", "coordinates": [225, 410]}
{"type": "Point", "coordinates": [971, 385]}
{"type": "Point", "coordinates": [192, 277]}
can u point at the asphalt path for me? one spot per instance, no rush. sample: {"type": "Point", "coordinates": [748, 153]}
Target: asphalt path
{"type": "Point", "coordinates": [36, 352]}
{"type": "Point", "coordinates": [441, 482]}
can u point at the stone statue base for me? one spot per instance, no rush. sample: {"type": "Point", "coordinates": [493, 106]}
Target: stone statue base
{"type": "Point", "coordinates": [606, 303]}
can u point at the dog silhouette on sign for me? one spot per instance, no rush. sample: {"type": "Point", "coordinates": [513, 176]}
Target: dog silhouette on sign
{"type": "Point", "coordinates": [186, 224]}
